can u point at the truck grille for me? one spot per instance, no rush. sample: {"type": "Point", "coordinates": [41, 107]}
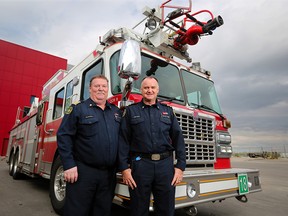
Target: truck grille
{"type": "Point", "coordinates": [199, 139]}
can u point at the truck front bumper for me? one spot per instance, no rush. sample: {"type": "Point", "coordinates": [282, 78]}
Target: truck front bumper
{"type": "Point", "coordinates": [200, 186]}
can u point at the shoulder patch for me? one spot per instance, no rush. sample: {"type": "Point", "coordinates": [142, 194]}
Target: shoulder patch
{"type": "Point", "coordinates": [77, 102]}
{"type": "Point", "coordinates": [69, 110]}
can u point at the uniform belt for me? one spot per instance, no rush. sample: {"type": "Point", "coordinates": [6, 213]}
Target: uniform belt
{"type": "Point", "coordinates": [153, 157]}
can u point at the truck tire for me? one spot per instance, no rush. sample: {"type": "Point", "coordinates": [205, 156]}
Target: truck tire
{"type": "Point", "coordinates": [10, 163]}
{"type": "Point", "coordinates": [15, 171]}
{"type": "Point", "coordinates": [57, 188]}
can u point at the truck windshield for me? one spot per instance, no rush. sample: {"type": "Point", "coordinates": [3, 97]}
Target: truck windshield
{"type": "Point", "coordinates": [167, 75]}
{"type": "Point", "coordinates": [200, 92]}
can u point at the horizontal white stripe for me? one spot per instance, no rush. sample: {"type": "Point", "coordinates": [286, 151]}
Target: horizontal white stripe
{"type": "Point", "coordinates": [122, 190]}
{"type": "Point", "coordinates": [50, 139]}
{"type": "Point", "coordinates": [181, 191]}
{"type": "Point", "coordinates": [217, 186]}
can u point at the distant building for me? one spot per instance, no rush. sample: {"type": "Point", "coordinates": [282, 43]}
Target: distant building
{"type": "Point", "coordinates": [23, 72]}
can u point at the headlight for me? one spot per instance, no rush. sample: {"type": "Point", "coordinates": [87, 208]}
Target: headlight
{"type": "Point", "coordinates": [223, 138]}
{"type": "Point", "coordinates": [229, 149]}
{"type": "Point", "coordinates": [224, 151]}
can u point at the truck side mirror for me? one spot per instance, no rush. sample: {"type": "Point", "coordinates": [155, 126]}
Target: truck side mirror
{"type": "Point", "coordinates": [130, 60]}
{"type": "Point", "coordinates": [39, 116]}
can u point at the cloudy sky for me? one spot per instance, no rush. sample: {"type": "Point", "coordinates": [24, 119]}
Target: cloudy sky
{"type": "Point", "coordinates": [248, 55]}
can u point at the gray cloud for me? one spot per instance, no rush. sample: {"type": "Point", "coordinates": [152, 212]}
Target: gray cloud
{"type": "Point", "coordinates": [247, 55]}
{"type": "Point", "coordinates": [248, 60]}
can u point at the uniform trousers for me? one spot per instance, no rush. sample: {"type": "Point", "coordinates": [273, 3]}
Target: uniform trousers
{"type": "Point", "coordinates": [92, 194]}
{"type": "Point", "coordinates": [156, 177]}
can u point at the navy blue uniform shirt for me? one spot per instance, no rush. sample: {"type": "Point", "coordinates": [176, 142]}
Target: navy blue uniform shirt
{"type": "Point", "coordinates": [90, 135]}
{"type": "Point", "coordinates": [150, 129]}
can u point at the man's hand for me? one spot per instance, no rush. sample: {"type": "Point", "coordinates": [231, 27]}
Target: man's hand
{"type": "Point", "coordinates": [178, 176]}
{"type": "Point", "coordinates": [71, 175]}
{"type": "Point", "coordinates": [128, 179]}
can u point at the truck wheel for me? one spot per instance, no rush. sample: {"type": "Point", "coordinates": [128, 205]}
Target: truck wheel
{"type": "Point", "coordinates": [15, 171]}
{"type": "Point", "coordinates": [10, 163]}
{"type": "Point", "coordinates": [57, 186]}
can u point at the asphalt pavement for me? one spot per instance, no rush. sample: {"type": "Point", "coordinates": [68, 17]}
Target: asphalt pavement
{"type": "Point", "coordinates": [29, 196]}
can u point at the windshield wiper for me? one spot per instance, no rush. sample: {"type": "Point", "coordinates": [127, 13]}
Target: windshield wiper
{"type": "Point", "coordinates": [194, 104]}
{"type": "Point", "coordinates": [207, 108]}
{"type": "Point", "coordinates": [167, 98]}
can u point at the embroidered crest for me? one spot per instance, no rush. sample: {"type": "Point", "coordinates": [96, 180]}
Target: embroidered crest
{"type": "Point", "coordinates": [69, 110]}
{"type": "Point", "coordinates": [117, 117]}
{"type": "Point", "coordinates": [165, 115]}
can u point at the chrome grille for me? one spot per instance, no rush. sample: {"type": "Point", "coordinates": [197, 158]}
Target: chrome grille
{"type": "Point", "coordinates": [200, 152]}
{"type": "Point", "coordinates": [199, 138]}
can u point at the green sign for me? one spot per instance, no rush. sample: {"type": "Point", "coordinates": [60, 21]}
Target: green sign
{"type": "Point", "coordinates": [243, 183]}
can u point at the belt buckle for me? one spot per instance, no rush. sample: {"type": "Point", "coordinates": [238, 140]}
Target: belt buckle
{"type": "Point", "coordinates": [155, 157]}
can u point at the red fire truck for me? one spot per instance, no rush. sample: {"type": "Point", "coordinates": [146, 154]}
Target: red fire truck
{"type": "Point", "coordinates": [124, 56]}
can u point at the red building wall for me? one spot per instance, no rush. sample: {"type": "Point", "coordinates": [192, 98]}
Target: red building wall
{"type": "Point", "coordinates": [23, 72]}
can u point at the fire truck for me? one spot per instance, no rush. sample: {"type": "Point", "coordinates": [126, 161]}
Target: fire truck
{"type": "Point", "coordinates": [125, 56]}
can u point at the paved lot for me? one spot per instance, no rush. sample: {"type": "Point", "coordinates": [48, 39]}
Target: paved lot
{"type": "Point", "coordinates": [30, 196]}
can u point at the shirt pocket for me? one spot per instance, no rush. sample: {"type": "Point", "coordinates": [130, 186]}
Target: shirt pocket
{"type": "Point", "coordinates": [136, 121]}
{"type": "Point", "coordinates": [89, 126]}
{"type": "Point", "coordinates": [117, 119]}
{"type": "Point", "coordinates": [138, 125]}
{"type": "Point", "coordinates": [165, 120]}
{"type": "Point", "coordinates": [165, 124]}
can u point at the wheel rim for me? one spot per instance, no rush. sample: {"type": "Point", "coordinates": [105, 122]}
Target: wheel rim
{"type": "Point", "coordinates": [15, 164]}
{"type": "Point", "coordinates": [59, 184]}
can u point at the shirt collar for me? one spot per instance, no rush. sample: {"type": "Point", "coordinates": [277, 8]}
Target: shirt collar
{"type": "Point", "coordinates": [143, 105]}
{"type": "Point", "coordinates": [91, 103]}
